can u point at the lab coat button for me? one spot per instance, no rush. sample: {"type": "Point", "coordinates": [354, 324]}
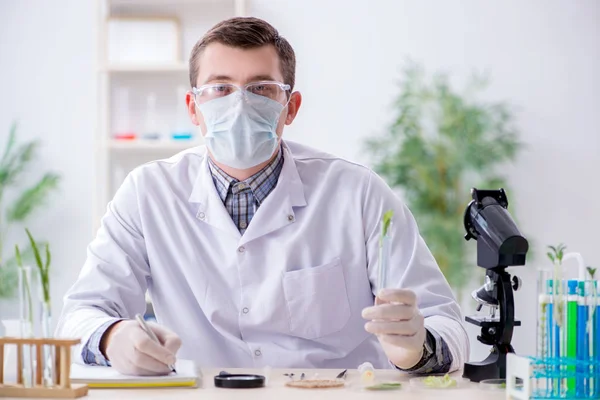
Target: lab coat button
{"type": "Point", "coordinates": [202, 216]}
{"type": "Point", "coordinates": [241, 249]}
{"type": "Point", "coordinates": [290, 217]}
{"type": "Point", "coordinates": [257, 353]}
{"type": "Point", "coordinates": [245, 310]}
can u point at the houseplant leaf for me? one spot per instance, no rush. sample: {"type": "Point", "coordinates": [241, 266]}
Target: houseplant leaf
{"type": "Point", "coordinates": [441, 143]}
{"type": "Point", "coordinates": [32, 198]}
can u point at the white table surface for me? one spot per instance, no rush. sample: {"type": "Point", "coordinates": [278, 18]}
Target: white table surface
{"type": "Point", "coordinates": [276, 389]}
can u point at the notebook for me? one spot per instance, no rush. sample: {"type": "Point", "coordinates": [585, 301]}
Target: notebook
{"type": "Point", "coordinates": [105, 377]}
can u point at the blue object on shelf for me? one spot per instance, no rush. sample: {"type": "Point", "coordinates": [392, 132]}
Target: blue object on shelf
{"type": "Point", "coordinates": [151, 136]}
{"type": "Point", "coordinates": [182, 136]}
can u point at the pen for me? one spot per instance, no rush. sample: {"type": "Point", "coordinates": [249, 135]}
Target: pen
{"type": "Point", "coordinates": [149, 332]}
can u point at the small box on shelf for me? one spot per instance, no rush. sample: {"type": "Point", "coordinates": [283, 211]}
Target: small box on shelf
{"type": "Point", "coordinates": [145, 67]}
{"type": "Point", "coordinates": [143, 40]}
{"type": "Point", "coordinates": [154, 145]}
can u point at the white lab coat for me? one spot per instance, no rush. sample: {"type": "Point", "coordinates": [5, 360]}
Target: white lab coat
{"type": "Point", "coordinates": [288, 293]}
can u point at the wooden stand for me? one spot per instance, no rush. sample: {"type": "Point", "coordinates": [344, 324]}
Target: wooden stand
{"type": "Point", "coordinates": [62, 388]}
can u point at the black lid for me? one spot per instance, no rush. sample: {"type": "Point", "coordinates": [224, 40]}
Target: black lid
{"type": "Point", "coordinates": [242, 381]}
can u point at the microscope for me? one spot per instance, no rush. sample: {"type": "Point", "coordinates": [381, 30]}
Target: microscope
{"type": "Point", "coordinates": [499, 245]}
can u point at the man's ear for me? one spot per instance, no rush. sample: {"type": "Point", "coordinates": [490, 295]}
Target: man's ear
{"type": "Point", "coordinates": [192, 109]}
{"type": "Point", "coordinates": [293, 107]}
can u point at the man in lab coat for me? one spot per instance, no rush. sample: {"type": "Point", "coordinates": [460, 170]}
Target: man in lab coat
{"type": "Point", "coordinates": [258, 251]}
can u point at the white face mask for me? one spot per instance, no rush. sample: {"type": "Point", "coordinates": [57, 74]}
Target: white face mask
{"type": "Point", "coordinates": [241, 128]}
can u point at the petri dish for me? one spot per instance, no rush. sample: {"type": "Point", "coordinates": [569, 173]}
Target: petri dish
{"type": "Point", "coordinates": [497, 384]}
{"type": "Point", "coordinates": [493, 384]}
{"type": "Point", "coordinates": [425, 383]}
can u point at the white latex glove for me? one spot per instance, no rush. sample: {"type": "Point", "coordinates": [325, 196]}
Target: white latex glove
{"type": "Point", "coordinates": [399, 326]}
{"type": "Point", "coordinates": [131, 351]}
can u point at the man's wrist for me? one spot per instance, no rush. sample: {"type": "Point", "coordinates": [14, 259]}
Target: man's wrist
{"type": "Point", "coordinates": [426, 352]}
{"type": "Point", "coordinates": [408, 360]}
{"type": "Point", "coordinates": [106, 336]}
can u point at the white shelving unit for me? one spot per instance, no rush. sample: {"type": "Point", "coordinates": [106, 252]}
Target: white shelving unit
{"type": "Point", "coordinates": [141, 80]}
{"type": "Point", "coordinates": [144, 68]}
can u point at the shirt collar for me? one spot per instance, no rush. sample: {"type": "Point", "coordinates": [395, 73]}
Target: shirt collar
{"type": "Point", "coordinates": [261, 183]}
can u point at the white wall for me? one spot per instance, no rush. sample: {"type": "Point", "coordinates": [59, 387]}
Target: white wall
{"type": "Point", "coordinates": [47, 83]}
{"type": "Point", "coordinates": [544, 57]}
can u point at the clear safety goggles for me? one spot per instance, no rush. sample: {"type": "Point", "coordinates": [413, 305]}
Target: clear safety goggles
{"type": "Point", "coordinates": [276, 91]}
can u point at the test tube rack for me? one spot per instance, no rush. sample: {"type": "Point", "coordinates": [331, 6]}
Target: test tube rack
{"type": "Point", "coordinates": [61, 388]}
{"type": "Point", "coordinates": [529, 378]}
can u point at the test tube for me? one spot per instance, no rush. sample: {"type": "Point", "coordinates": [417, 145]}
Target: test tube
{"type": "Point", "coordinates": [571, 334]}
{"type": "Point", "coordinates": [557, 335]}
{"type": "Point", "coordinates": [183, 129]}
{"type": "Point", "coordinates": [544, 330]}
{"type": "Point", "coordinates": [544, 303]}
{"type": "Point", "coordinates": [26, 323]}
{"type": "Point", "coordinates": [582, 340]}
{"type": "Point", "coordinates": [151, 129]}
{"type": "Point", "coordinates": [122, 112]}
{"type": "Point", "coordinates": [594, 344]}
{"type": "Point", "coordinates": [384, 257]}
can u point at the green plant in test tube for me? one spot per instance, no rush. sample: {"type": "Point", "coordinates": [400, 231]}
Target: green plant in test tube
{"type": "Point", "coordinates": [387, 220]}
{"type": "Point", "coordinates": [556, 256]}
{"type": "Point", "coordinates": [384, 248]}
{"type": "Point", "coordinates": [592, 272]}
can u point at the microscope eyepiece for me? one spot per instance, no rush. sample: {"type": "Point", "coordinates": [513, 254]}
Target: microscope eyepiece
{"type": "Point", "coordinates": [487, 220]}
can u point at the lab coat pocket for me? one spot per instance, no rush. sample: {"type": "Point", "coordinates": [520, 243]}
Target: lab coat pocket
{"type": "Point", "coordinates": [317, 300]}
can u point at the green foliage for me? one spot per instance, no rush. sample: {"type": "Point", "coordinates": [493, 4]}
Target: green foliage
{"type": "Point", "coordinates": [441, 144]}
{"type": "Point", "coordinates": [592, 272]}
{"type": "Point", "coordinates": [17, 158]}
{"type": "Point", "coordinates": [43, 266]}
{"type": "Point", "coordinates": [557, 253]}
{"type": "Point", "coordinates": [387, 220]}
{"type": "Point", "coordinates": [32, 198]}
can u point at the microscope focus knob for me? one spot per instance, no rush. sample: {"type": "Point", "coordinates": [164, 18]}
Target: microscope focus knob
{"type": "Point", "coordinates": [516, 283]}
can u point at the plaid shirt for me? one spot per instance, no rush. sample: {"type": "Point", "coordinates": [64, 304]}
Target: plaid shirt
{"type": "Point", "coordinates": [243, 198]}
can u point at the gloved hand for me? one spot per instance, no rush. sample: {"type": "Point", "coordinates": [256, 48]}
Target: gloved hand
{"type": "Point", "coordinates": [399, 326]}
{"type": "Point", "coordinates": [131, 351]}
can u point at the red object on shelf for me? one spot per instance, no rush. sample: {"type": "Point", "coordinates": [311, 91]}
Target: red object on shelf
{"type": "Point", "coordinates": [125, 136]}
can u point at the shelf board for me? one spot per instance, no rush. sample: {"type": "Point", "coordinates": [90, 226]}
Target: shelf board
{"type": "Point", "coordinates": [141, 145]}
{"type": "Point", "coordinates": [124, 3]}
{"type": "Point", "coordinates": [174, 67]}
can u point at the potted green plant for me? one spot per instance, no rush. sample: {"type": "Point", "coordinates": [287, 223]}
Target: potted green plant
{"type": "Point", "coordinates": [440, 144]}
{"type": "Point", "coordinates": [18, 201]}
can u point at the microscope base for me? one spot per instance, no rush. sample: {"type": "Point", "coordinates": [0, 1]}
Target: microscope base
{"type": "Point", "coordinates": [493, 367]}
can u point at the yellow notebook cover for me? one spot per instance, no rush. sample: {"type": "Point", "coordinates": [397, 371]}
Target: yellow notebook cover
{"type": "Point", "coordinates": [105, 377]}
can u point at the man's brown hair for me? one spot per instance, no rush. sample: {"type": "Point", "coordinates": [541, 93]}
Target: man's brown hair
{"type": "Point", "coordinates": [247, 33]}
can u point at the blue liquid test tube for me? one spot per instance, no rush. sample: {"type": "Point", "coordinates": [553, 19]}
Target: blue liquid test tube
{"type": "Point", "coordinates": [582, 341]}
{"type": "Point", "coordinates": [553, 348]}
{"type": "Point", "coordinates": [595, 334]}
